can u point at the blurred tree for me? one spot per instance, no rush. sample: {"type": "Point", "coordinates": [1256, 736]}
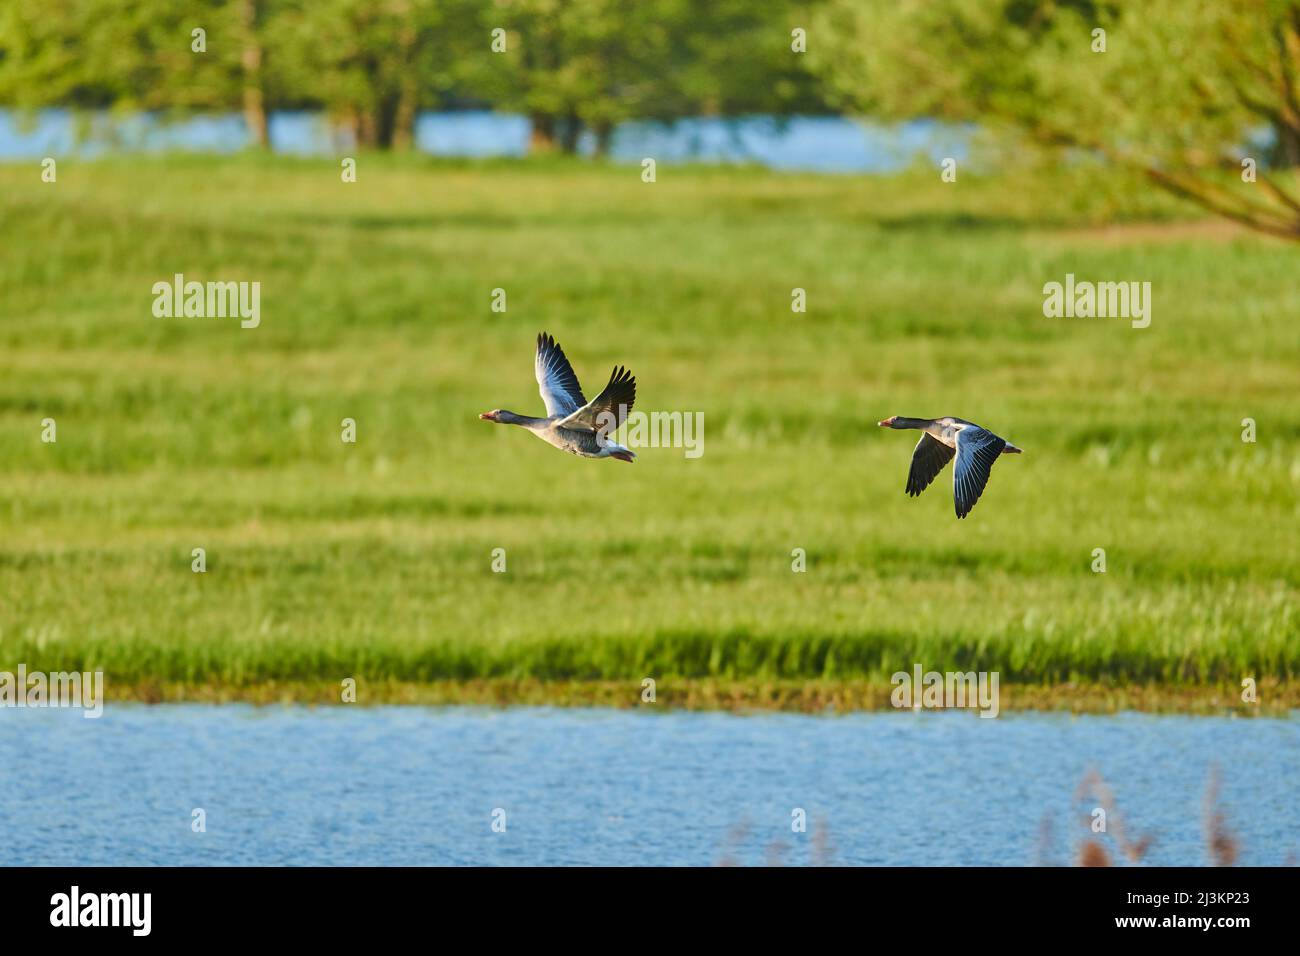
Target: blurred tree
{"type": "Point", "coordinates": [101, 54]}
{"type": "Point", "coordinates": [575, 65]}
{"type": "Point", "coordinates": [132, 57]}
{"type": "Point", "coordinates": [371, 64]}
{"type": "Point", "coordinates": [1178, 90]}
{"type": "Point", "coordinates": [570, 65]}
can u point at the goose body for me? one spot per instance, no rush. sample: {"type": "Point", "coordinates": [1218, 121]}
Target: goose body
{"type": "Point", "coordinates": [974, 447]}
{"type": "Point", "coordinates": [572, 423]}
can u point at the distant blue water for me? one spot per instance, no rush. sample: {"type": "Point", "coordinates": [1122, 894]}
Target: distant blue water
{"type": "Point", "coordinates": [418, 786]}
{"type": "Point", "coordinates": [828, 144]}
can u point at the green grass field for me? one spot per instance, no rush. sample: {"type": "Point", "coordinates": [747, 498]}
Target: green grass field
{"type": "Point", "coordinates": [328, 560]}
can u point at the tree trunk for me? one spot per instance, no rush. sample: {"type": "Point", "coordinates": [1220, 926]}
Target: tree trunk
{"type": "Point", "coordinates": [403, 122]}
{"type": "Point", "coordinates": [387, 123]}
{"type": "Point", "coordinates": [542, 137]}
{"type": "Point", "coordinates": [404, 117]}
{"type": "Point", "coordinates": [604, 134]}
{"type": "Point", "coordinates": [251, 61]}
{"type": "Point", "coordinates": [368, 129]}
{"type": "Point", "coordinates": [571, 130]}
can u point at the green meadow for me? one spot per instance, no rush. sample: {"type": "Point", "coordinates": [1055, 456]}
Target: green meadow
{"type": "Point", "coordinates": [373, 560]}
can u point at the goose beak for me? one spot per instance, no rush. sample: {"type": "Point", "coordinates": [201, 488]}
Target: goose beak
{"type": "Point", "coordinates": [887, 422]}
{"type": "Point", "coordinates": [486, 416]}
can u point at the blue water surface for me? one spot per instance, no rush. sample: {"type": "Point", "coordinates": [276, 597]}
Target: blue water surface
{"type": "Point", "coordinates": [417, 786]}
{"type": "Point", "coordinates": [816, 143]}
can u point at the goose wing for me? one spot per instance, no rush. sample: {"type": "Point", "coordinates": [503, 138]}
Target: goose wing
{"type": "Point", "coordinates": [977, 450]}
{"type": "Point", "coordinates": [559, 387]}
{"type": "Point", "coordinates": [928, 460]}
{"type": "Point", "coordinates": [609, 409]}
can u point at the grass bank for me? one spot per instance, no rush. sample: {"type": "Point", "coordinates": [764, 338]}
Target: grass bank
{"type": "Point", "coordinates": [816, 696]}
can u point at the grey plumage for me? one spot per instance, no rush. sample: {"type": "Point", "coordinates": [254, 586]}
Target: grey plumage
{"type": "Point", "coordinates": [975, 448]}
{"type": "Point", "coordinates": [572, 423]}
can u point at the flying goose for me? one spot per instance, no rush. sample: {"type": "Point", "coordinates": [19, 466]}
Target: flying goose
{"type": "Point", "coordinates": [572, 423]}
{"type": "Point", "coordinates": [976, 449]}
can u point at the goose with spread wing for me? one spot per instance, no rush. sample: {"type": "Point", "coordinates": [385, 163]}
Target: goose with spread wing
{"type": "Point", "coordinates": [975, 448]}
{"type": "Point", "coordinates": [572, 423]}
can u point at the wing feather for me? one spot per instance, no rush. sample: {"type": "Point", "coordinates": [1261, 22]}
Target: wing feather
{"type": "Point", "coordinates": [928, 459]}
{"type": "Point", "coordinates": [561, 393]}
{"type": "Point", "coordinates": [977, 450]}
{"type": "Point", "coordinates": [609, 409]}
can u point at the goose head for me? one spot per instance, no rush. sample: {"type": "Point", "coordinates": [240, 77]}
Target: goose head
{"type": "Point", "coordinates": [492, 416]}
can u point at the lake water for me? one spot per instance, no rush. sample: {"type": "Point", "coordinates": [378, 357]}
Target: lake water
{"type": "Point", "coordinates": [818, 143]}
{"type": "Point", "coordinates": [418, 786]}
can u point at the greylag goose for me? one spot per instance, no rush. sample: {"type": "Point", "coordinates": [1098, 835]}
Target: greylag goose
{"type": "Point", "coordinates": [976, 449]}
{"type": "Point", "coordinates": [572, 423]}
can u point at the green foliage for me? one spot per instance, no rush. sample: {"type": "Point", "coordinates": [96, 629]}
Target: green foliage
{"type": "Point", "coordinates": [590, 64]}
{"type": "Point", "coordinates": [1178, 90]}
{"type": "Point", "coordinates": [101, 53]}
{"type": "Point", "coordinates": [372, 66]}
{"type": "Point", "coordinates": [568, 64]}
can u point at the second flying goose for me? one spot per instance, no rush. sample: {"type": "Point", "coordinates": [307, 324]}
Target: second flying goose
{"type": "Point", "coordinates": [976, 449]}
